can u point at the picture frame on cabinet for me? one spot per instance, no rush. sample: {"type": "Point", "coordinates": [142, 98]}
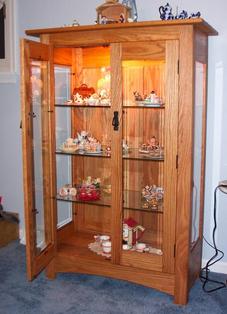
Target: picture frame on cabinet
{"type": "Point", "coordinates": [7, 38]}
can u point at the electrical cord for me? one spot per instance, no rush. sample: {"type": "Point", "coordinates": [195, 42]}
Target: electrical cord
{"type": "Point", "coordinates": [215, 258]}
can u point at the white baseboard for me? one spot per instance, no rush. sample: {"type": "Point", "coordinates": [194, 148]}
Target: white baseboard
{"type": "Point", "coordinates": [219, 267]}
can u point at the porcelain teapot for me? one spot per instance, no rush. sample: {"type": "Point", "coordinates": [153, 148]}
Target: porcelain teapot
{"type": "Point", "coordinates": [166, 12]}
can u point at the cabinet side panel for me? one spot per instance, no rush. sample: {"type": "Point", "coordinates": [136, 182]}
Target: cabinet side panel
{"type": "Point", "coordinates": [201, 56]}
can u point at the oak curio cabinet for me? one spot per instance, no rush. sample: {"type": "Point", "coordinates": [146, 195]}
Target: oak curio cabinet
{"type": "Point", "coordinates": [114, 123]}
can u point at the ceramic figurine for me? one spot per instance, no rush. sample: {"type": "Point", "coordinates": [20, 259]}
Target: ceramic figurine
{"type": "Point", "coordinates": [166, 12]}
{"type": "Point", "coordinates": [75, 23]}
{"type": "Point", "coordinates": [183, 15]}
{"type": "Point", "coordinates": [152, 192]}
{"type": "Point", "coordinates": [125, 146]}
{"type": "Point", "coordinates": [77, 98]}
{"type": "Point", "coordinates": [137, 96]}
{"type": "Point", "coordinates": [67, 190]}
{"type": "Point", "coordinates": [195, 15]}
{"type": "Point", "coordinates": [132, 231]}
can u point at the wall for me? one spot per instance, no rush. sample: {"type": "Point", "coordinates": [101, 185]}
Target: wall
{"type": "Point", "coordinates": [48, 13]}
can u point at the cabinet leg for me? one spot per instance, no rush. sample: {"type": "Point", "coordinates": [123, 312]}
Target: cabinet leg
{"type": "Point", "coordinates": [181, 299]}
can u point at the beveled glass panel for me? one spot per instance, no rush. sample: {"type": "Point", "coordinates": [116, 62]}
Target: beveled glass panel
{"type": "Point", "coordinates": [39, 119]}
{"type": "Point", "coordinates": [143, 149]}
{"type": "Point", "coordinates": [200, 79]}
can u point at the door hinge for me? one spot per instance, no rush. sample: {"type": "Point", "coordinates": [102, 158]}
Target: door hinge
{"type": "Point", "coordinates": [174, 250]}
{"type": "Point", "coordinates": [176, 161]}
{"type": "Point", "coordinates": [178, 66]}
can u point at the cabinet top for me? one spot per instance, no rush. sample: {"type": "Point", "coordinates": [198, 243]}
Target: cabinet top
{"type": "Point", "coordinates": [198, 23]}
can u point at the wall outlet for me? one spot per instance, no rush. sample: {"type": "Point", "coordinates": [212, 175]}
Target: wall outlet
{"type": "Point", "coordinates": [223, 186]}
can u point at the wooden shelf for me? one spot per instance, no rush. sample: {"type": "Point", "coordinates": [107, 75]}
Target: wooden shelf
{"type": "Point", "coordinates": [76, 245]}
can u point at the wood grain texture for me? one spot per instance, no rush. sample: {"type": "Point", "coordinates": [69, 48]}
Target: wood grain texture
{"type": "Point", "coordinates": [197, 23]}
{"type": "Point", "coordinates": [63, 56]}
{"type": "Point", "coordinates": [200, 55]}
{"type": "Point", "coordinates": [116, 155]}
{"type": "Point", "coordinates": [171, 148]}
{"type": "Point", "coordinates": [185, 144]}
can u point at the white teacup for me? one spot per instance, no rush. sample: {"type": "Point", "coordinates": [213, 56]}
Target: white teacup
{"type": "Point", "coordinates": [104, 238]}
{"type": "Point", "coordinates": [140, 246]}
{"type": "Point", "coordinates": [106, 246]}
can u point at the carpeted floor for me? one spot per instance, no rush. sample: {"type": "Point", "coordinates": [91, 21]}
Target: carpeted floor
{"type": "Point", "coordinates": [72, 293]}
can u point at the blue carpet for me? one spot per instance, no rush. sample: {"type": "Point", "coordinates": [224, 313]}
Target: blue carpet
{"type": "Point", "coordinates": [72, 293]}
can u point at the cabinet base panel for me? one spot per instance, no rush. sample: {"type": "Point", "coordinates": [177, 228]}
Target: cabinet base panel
{"type": "Point", "coordinates": [160, 281]}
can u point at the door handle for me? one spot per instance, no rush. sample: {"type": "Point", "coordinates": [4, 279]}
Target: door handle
{"type": "Point", "coordinates": [115, 121]}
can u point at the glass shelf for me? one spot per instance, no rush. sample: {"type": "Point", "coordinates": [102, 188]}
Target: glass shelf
{"type": "Point", "coordinates": [141, 105]}
{"type": "Point", "coordinates": [82, 153]}
{"type": "Point", "coordinates": [132, 154]}
{"type": "Point", "coordinates": [134, 201]}
{"type": "Point", "coordinates": [105, 200]}
{"type": "Point", "coordinates": [73, 105]}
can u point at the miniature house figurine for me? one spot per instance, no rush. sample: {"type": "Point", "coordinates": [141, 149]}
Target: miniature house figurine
{"type": "Point", "coordinates": [132, 231]}
{"type": "Point", "coordinates": [112, 12]}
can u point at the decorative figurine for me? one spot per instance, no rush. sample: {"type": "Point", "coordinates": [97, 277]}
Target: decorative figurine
{"type": "Point", "coordinates": [152, 148]}
{"type": "Point", "coordinates": [195, 15]}
{"type": "Point", "coordinates": [69, 146]}
{"type": "Point", "coordinates": [67, 190]}
{"type": "Point", "coordinates": [132, 231]}
{"type": "Point", "coordinates": [113, 12]}
{"type": "Point", "coordinates": [182, 15]}
{"type": "Point", "coordinates": [166, 12]}
{"type": "Point", "coordinates": [137, 96]}
{"type": "Point", "coordinates": [152, 99]}
{"type": "Point", "coordinates": [82, 92]}
{"type": "Point", "coordinates": [153, 195]}
{"type": "Point", "coordinates": [89, 189]}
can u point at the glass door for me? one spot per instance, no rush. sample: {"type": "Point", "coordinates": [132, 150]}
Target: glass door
{"type": "Point", "coordinates": [149, 153]}
{"type": "Point", "coordinates": [37, 152]}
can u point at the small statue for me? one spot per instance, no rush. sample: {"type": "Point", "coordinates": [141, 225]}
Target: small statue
{"type": "Point", "coordinates": [166, 12]}
{"type": "Point", "coordinates": [182, 15]}
{"type": "Point", "coordinates": [195, 15]}
{"type": "Point", "coordinates": [137, 96]}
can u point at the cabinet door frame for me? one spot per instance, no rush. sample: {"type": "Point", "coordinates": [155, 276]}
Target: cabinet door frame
{"type": "Point", "coordinates": [170, 48]}
{"type": "Point", "coordinates": [171, 159]}
{"type": "Point", "coordinates": [37, 261]}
